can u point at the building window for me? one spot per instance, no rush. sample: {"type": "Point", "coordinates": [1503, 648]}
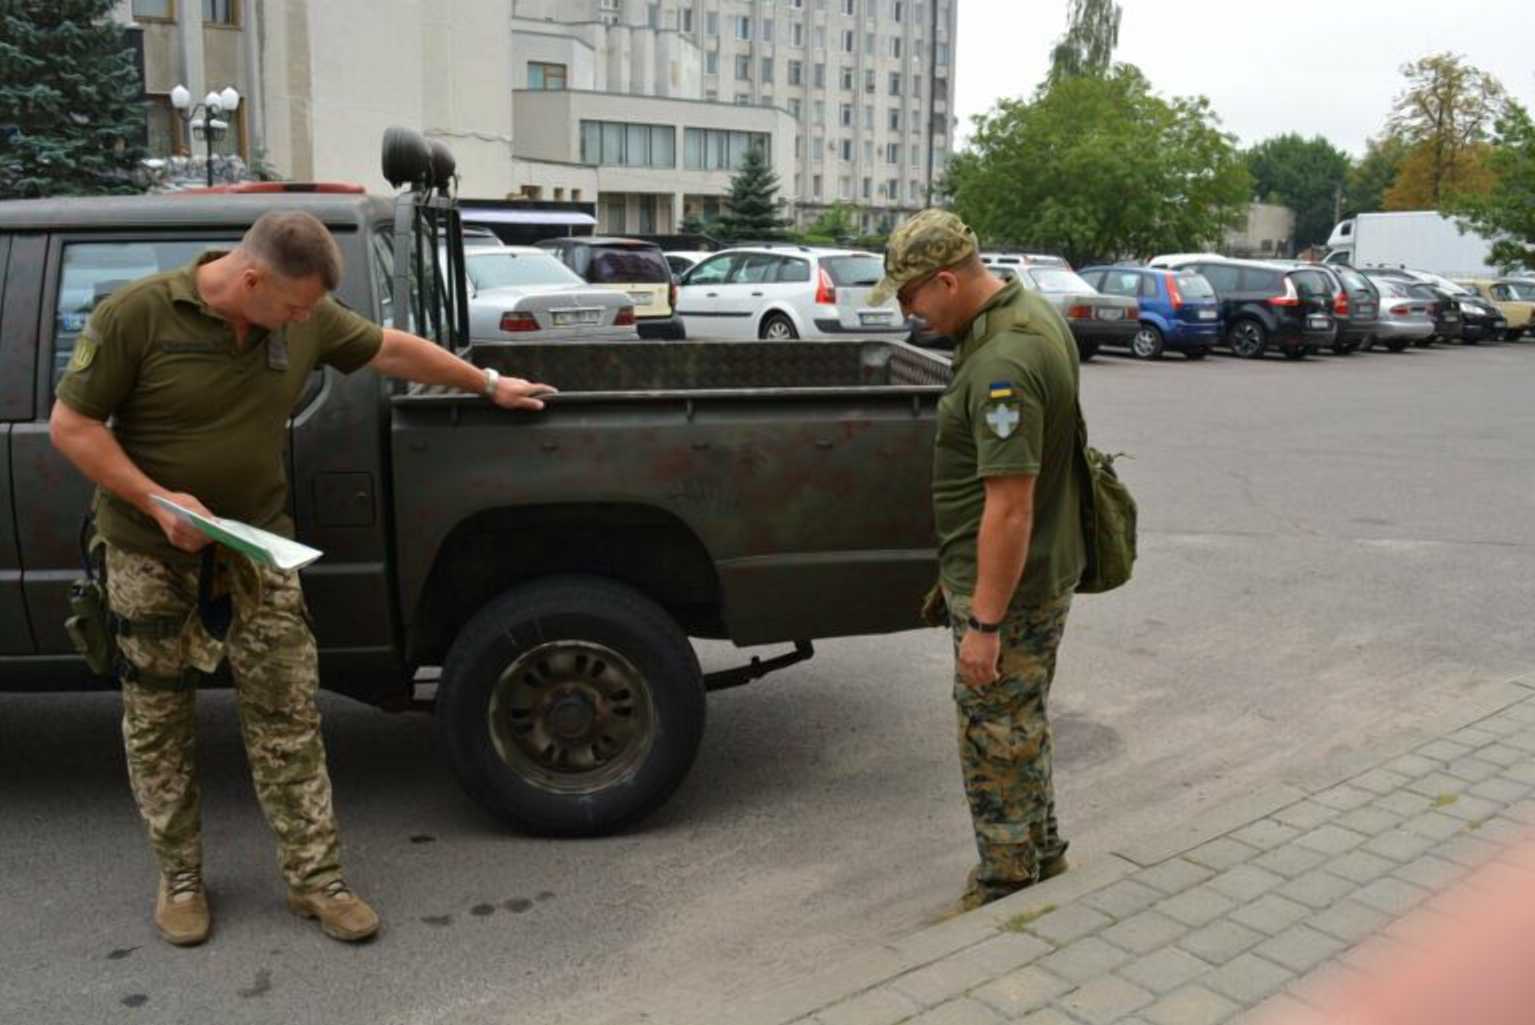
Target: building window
{"type": "Point", "coordinates": [868, 188]}
{"type": "Point", "coordinates": [893, 189]}
{"type": "Point", "coordinates": [615, 208]}
{"type": "Point", "coordinates": [943, 54]}
{"type": "Point", "coordinates": [712, 23]}
{"type": "Point", "coordinates": [815, 185]}
{"type": "Point", "coordinates": [653, 16]}
{"type": "Point", "coordinates": [154, 9]}
{"type": "Point", "coordinates": [712, 62]}
{"type": "Point", "coordinates": [847, 78]}
{"type": "Point", "coordinates": [820, 37]}
{"type": "Point", "coordinates": [868, 43]}
{"type": "Point", "coordinates": [617, 144]}
{"type": "Point", "coordinates": [546, 77]}
{"type": "Point", "coordinates": [847, 149]}
{"type": "Point", "coordinates": [845, 187]}
{"type": "Point", "coordinates": [794, 107]}
{"type": "Point", "coordinates": [818, 149]}
{"type": "Point", "coordinates": [797, 33]}
{"type": "Point", "coordinates": [820, 112]}
{"type": "Point", "coordinates": [868, 81]}
{"type": "Point", "coordinates": [767, 69]}
{"type": "Point", "coordinates": [796, 73]}
{"type": "Point", "coordinates": [716, 149]}
{"type": "Point", "coordinates": [743, 68]}
{"type": "Point", "coordinates": [895, 46]}
{"type": "Point", "coordinates": [163, 127]}
{"type": "Point", "coordinates": [916, 86]}
{"type": "Point", "coordinates": [895, 83]}
{"type": "Point", "coordinates": [767, 30]}
{"type": "Point", "coordinates": [916, 190]}
{"type": "Point", "coordinates": [868, 151]}
{"type": "Point", "coordinates": [895, 119]}
{"type": "Point", "coordinates": [940, 89]}
{"type": "Point", "coordinates": [892, 153]}
{"type": "Point", "coordinates": [819, 78]}
{"type": "Point", "coordinates": [743, 99]}
{"type": "Point", "coordinates": [847, 7]}
{"type": "Point", "coordinates": [221, 12]}
{"type": "Point", "coordinates": [647, 215]}
{"type": "Point", "coordinates": [895, 10]}
{"type": "Point", "coordinates": [916, 156]}
{"type": "Point", "coordinates": [687, 19]}
{"type": "Point", "coordinates": [847, 115]}
{"type": "Point", "coordinates": [848, 36]}
{"type": "Point", "coordinates": [868, 117]}
{"type": "Point", "coordinates": [743, 28]}
{"type": "Point", "coordinates": [799, 146]}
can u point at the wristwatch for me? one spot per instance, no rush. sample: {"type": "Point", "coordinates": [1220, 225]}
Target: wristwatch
{"type": "Point", "coordinates": [980, 627]}
{"type": "Point", "coordinates": [492, 377]}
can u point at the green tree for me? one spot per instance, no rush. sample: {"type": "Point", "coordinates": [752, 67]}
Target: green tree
{"type": "Point", "coordinates": [1445, 115]}
{"type": "Point", "coordinates": [1506, 213]}
{"type": "Point", "coordinates": [1087, 48]}
{"type": "Point", "coordinates": [1100, 167]}
{"type": "Point", "coordinates": [1306, 175]}
{"type": "Point", "coordinates": [1372, 175]}
{"type": "Point", "coordinates": [837, 224]}
{"type": "Point", "coordinates": [70, 114]}
{"type": "Point", "coordinates": [752, 207]}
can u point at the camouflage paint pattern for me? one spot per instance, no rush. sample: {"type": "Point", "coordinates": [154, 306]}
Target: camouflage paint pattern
{"type": "Point", "coordinates": [932, 239]}
{"type": "Point", "coordinates": [272, 657]}
{"type": "Point", "coordinates": [1005, 749]}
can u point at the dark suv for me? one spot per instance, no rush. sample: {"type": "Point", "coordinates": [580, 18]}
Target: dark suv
{"type": "Point", "coordinates": [1265, 304]}
{"type": "Point", "coordinates": [637, 269]}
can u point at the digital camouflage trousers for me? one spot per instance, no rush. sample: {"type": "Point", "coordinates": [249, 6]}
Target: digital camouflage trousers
{"type": "Point", "coordinates": [1005, 749]}
{"type": "Point", "coordinates": [274, 663]}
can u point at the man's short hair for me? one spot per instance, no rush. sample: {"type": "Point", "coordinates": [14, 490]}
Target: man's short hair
{"type": "Point", "coordinates": [296, 245]}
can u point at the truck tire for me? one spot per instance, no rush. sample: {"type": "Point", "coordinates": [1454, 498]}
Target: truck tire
{"type": "Point", "coordinates": [1247, 338]}
{"type": "Point", "coordinates": [570, 706]}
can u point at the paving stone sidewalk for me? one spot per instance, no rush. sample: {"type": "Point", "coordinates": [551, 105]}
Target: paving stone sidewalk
{"type": "Point", "coordinates": [1280, 894]}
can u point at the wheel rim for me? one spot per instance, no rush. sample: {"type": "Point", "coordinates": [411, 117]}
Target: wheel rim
{"type": "Point", "coordinates": [1145, 345]}
{"type": "Point", "coordinates": [778, 331]}
{"type": "Point", "coordinates": [1245, 339]}
{"type": "Point", "coordinates": [572, 717]}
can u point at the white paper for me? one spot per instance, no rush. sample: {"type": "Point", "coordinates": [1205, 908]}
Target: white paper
{"type": "Point", "coordinates": [259, 545]}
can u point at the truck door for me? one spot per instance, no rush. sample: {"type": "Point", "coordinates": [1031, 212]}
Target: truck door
{"type": "Point", "coordinates": [18, 351]}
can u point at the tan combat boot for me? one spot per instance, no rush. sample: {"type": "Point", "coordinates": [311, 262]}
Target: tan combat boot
{"type": "Point", "coordinates": [181, 909]}
{"type": "Point", "coordinates": [343, 915]}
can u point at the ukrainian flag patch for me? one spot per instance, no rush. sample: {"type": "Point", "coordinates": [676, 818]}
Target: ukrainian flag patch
{"type": "Point", "coordinates": [1000, 390]}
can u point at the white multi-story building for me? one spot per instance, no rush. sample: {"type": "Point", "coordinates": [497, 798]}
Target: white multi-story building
{"type": "Point", "coordinates": [867, 84]}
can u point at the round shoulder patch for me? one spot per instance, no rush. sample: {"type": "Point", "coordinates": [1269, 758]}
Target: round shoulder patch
{"type": "Point", "coordinates": [85, 353]}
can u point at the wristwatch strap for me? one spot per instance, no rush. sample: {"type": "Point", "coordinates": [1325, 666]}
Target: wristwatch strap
{"type": "Point", "coordinates": [980, 627]}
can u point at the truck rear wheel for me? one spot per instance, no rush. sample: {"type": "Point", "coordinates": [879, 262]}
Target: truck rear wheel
{"type": "Point", "coordinates": [571, 706]}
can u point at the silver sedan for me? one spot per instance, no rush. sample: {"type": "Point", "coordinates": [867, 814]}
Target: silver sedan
{"type": "Point", "coordinates": [520, 293]}
{"type": "Point", "coordinates": [1404, 317]}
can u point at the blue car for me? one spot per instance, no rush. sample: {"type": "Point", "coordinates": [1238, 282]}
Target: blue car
{"type": "Point", "coordinates": [1179, 309]}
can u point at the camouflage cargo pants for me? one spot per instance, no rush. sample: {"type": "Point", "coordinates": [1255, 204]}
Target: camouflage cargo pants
{"type": "Point", "coordinates": [273, 660]}
{"type": "Point", "coordinates": [1005, 749]}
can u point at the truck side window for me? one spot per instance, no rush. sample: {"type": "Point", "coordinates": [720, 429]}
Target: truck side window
{"type": "Point", "coordinates": [94, 270]}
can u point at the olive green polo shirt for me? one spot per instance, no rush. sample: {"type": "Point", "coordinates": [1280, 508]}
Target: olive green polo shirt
{"type": "Point", "coordinates": [1011, 409]}
{"type": "Point", "coordinates": [193, 410]}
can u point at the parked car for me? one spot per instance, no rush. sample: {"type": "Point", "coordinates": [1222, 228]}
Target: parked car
{"type": "Point", "coordinates": [1178, 309]}
{"type": "Point", "coordinates": [1443, 308]}
{"type": "Point", "coordinates": [1514, 298]}
{"type": "Point", "coordinates": [1096, 319]}
{"type": "Point", "coordinates": [628, 266]}
{"type": "Point", "coordinates": [1405, 319]}
{"type": "Point", "coordinates": [1355, 304]}
{"type": "Point", "coordinates": [1479, 317]}
{"type": "Point", "coordinates": [1006, 265]}
{"type": "Point", "coordinates": [783, 292]}
{"type": "Point", "coordinates": [1266, 304]}
{"type": "Point", "coordinates": [525, 294]}
{"type": "Point", "coordinates": [1170, 261]}
{"type": "Point", "coordinates": [683, 260]}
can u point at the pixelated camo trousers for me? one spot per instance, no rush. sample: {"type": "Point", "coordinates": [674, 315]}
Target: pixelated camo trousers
{"type": "Point", "coordinates": [274, 663]}
{"type": "Point", "coordinates": [1005, 748]}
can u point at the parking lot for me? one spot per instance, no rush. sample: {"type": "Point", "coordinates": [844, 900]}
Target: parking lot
{"type": "Point", "coordinates": [1334, 551]}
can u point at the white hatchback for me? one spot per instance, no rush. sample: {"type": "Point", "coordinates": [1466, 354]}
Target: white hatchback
{"type": "Point", "coordinates": [783, 292]}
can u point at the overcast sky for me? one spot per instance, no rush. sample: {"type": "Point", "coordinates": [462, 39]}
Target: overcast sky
{"type": "Point", "coordinates": [1317, 67]}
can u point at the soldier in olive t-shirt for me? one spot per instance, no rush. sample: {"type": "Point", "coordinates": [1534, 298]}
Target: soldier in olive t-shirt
{"type": "Point", "coordinates": [1007, 507]}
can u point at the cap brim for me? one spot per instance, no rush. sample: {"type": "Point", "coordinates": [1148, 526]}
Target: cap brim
{"type": "Point", "coordinates": [883, 291]}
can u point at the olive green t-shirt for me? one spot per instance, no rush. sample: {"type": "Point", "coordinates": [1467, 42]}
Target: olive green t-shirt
{"type": "Point", "coordinates": [1011, 409]}
{"type": "Point", "coordinates": [193, 410]}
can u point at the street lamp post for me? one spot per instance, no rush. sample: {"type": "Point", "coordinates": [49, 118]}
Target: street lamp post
{"type": "Point", "coordinates": [215, 103]}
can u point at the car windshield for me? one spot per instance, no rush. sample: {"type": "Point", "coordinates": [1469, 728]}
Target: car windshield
{"type": "Point", "coordinates": [1055, 279]}
{"type": "Point", "coordinates": [614, 265]}
{"type": "Point", "coordinates": [861, 270]}
{"type": "Point", "coordinates": [1351, 279]}
{"type": "Point", "coordinates": [1523, 289]}
{"type": "Point", "coordinates": [504, 270]}
{"type": "Point", "coordinates": [1194, 286]}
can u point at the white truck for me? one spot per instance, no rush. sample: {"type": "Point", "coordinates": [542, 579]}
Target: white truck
{"type": "Point", "coordinates": [1418, 239]}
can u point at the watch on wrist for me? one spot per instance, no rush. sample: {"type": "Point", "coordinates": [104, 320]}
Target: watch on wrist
{"type": "Point", "coordinates": [980, 627]}
{"type": "Point", "coordinates": [492, 378]}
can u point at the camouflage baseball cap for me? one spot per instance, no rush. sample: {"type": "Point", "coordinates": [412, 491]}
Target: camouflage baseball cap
{"type": "Point", "coordinates": [932, 239]}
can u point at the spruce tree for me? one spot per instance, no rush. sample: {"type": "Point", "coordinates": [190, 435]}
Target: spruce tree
{"type": "Point", "coordinates": [71, 117]}
{"type": "Point", "coordinates": [752, 208]}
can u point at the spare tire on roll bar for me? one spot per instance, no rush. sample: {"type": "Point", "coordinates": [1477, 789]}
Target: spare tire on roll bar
{"type": "Point", "coordinates": [407, 157]}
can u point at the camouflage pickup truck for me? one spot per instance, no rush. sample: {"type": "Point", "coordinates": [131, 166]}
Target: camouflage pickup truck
{"type": "Point", "coordinates": [553, 565]}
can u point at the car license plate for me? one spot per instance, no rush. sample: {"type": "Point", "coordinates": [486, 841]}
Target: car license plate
{"type": "Point", "coordinates": [1110, 313]}
{"type": "Point", "coordinates": [641, 298]}
{"type": "Point", "coordinates": [872, 319]}
{"type": "Point", "coordinates": [1318, 322]}
{"type": "Point", "coordinates": [565, 318]}
{"type": "Point", "coordinates": [1206, 314]}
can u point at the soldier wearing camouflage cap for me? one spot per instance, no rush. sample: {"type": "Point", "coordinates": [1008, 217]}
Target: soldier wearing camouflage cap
{"type": "Point", "coordinates": [1007, 507]}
